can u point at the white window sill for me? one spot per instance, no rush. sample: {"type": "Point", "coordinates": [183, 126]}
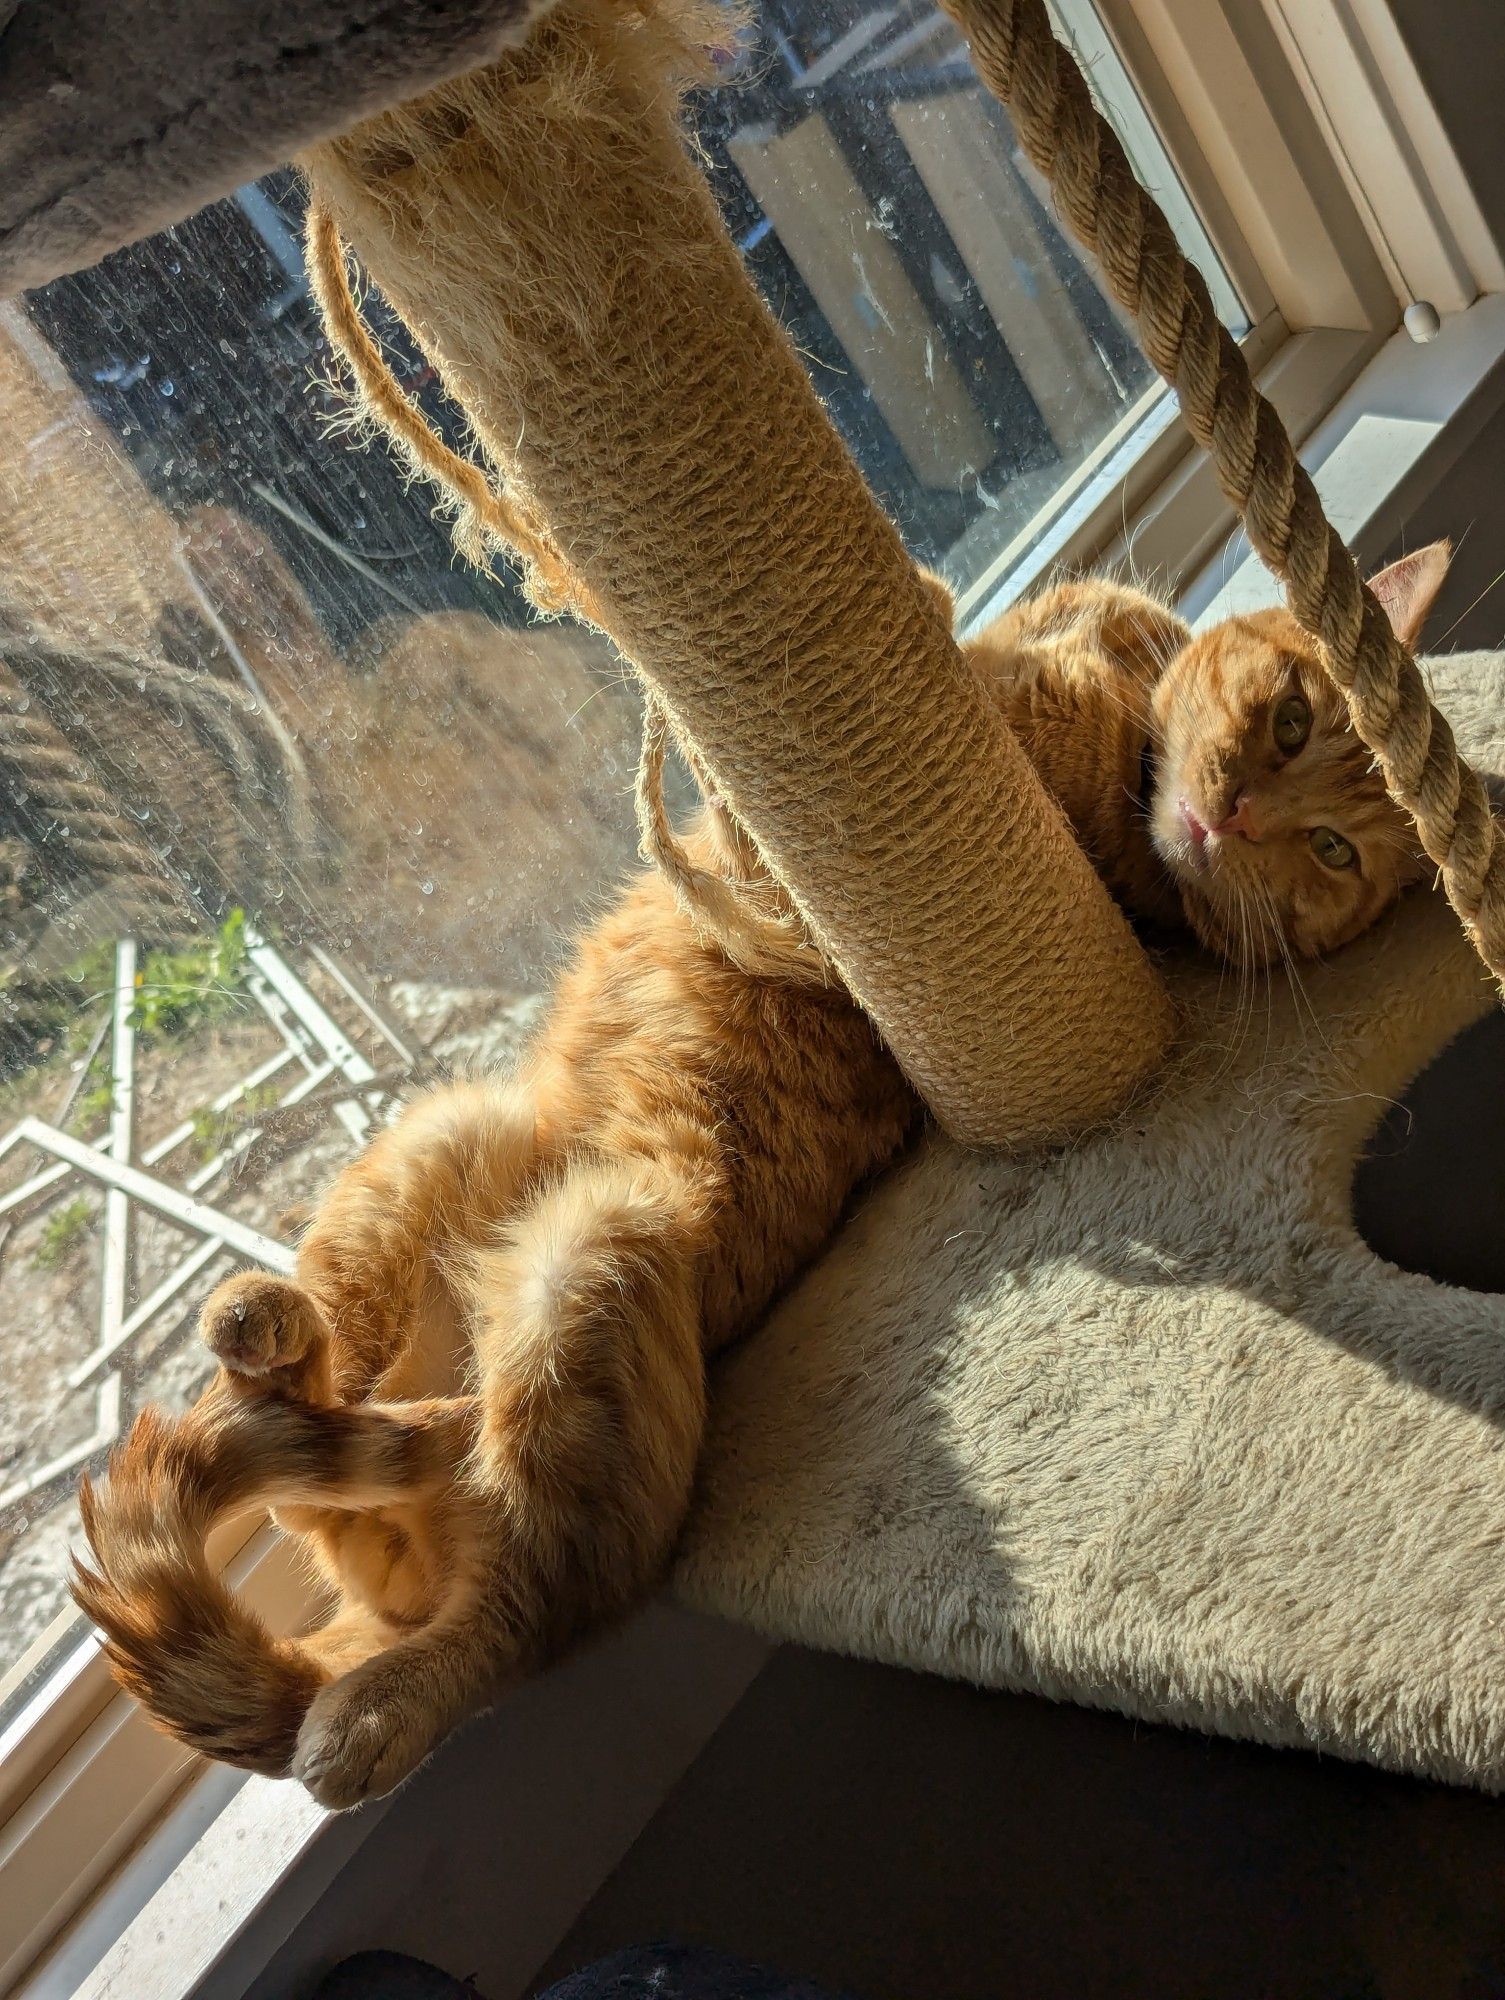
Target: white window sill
{"type": "Point", "coordinates": [187, 1910]}
{"type": "Point", "coordinates": [575, 1765]}
{"type": "Point", "coordinates": [1384, 445]}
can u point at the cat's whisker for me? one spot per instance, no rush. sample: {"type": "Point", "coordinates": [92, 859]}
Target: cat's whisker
{"type": "Point", "coordinates": [1112, 699]}
{"type": "Point", "coordinates": [1249, 896]}
{"type": "Point", "coordinates": [1162, 651]}
{"type": "Point", "coordinates": [1298, 986]}
{"type": "Point", "coordinates": [1299, 995]}
{"type": "Point", "coordinates": [1247, 955]}
{"type": "Point", "coordinates": [1235, 925]}
{"type": "Point", "coordinates": [1268, 986]}
{"type": "Point", "coordinates": [1225, 963]}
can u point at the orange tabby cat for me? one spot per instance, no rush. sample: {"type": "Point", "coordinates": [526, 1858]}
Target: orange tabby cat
{"type": "Point", "coordinates": [1213, 779]}
{"type": "Point", "coordinates": [525, 1279]}
{"type": "Point", "coordinates": [482, 1397]}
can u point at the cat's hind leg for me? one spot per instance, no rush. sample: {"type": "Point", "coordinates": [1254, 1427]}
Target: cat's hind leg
{"type": "Point", "coordinates": [370, 1268]}
{"type": "Point", "coordinates": [588, 1346]}
{"type": "Point", "coordinates": [370, 1310]}
{"type": "Point", "coordinates": [592, 1386]}
{"type": "Point", "coordinates": [378, 1253]}
{"type": "Point", "coordinates": [266, 1331]}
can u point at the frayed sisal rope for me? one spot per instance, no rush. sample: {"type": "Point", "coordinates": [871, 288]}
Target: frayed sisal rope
{"type": "Point", "coordinates": [48, 781]}
{"type": "Point", "coordinates": [1047, 97]}
{"type": "Point", "coordinates": [751, 919]}
{"type": "Point", "coordinates": [560, 259]}
{"type": "Point", "coordinates": [487, 522]}
{"type": "Point", "coordinates": [762, 940]}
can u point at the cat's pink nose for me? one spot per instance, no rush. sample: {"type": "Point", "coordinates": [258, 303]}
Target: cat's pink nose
{"type": "Point", "coordinates": [1240, 820]}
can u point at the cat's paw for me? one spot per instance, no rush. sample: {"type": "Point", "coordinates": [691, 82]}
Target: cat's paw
{"type": "Point", "coordinates": [255, 1323]}
{"type": "Point", "coordinates": [361, 1737]}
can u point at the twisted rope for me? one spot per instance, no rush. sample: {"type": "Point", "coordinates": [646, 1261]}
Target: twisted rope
{"type": "Point", "coordinates": [754, 926]}
{"type": "Point", "coordinates": [52, 785]}
{"type": "Point", "coordinates": [1069, 140]}
{"type": "Point", "coordinates": [486, 519]}
{"type": "Point", "coordinates": [228, 724]}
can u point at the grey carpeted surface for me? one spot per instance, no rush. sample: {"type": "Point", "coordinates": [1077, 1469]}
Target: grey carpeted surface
{"type": "Point", "coordinates": [118, 117]}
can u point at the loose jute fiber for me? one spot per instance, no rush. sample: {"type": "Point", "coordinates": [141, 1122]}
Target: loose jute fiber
{"type": "Point", "coordinates": [659, 458]}
{"type": "Point", "coordinates": [1145, 1425]}
{"type": "Point", "coordinates": [1069, 140]}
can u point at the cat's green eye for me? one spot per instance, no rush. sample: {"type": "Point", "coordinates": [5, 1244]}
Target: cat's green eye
{"type": "Point", "coordinates": [1331, 849]}
{"type": "Point", "coordinates": [1292, 725]}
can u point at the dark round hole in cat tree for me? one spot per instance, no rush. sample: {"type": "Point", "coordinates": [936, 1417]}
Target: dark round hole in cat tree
{"type": "Point", "coordinates": [1427, 1192]}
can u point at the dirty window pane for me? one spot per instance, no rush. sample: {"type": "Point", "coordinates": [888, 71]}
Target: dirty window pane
{"type": "Point", "coordinates": [296, 811]}
{"type": "Point", "coordinates": [967, 352]}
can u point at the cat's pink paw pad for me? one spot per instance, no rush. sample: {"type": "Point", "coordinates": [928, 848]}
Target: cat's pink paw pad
{"type": "Point", "coordinates": [254, 1323]}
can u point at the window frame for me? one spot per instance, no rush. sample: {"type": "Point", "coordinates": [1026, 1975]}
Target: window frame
{"type": "Point", "coordinates": [1322, 98]}
{"type": "Point", "coordinates": [85, 1773]}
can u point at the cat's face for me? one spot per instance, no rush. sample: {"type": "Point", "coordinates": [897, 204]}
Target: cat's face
{"type": "Point", "coordinates": [1266, 809]}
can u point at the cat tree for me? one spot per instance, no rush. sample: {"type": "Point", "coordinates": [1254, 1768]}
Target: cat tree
{"type": "Point", "coordinates": [657, 461]}
{"type": "Point", "coordinates": [661, 466]}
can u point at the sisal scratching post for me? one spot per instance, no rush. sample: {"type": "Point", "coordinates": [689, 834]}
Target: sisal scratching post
{"type": "Point", "coordinates": [662, 458]}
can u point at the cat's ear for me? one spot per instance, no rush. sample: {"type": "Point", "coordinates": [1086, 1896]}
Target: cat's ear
{"type": "Point", "coordinates": [1408, 588]}
{"type": "Point", "coordinates": [940, 590]}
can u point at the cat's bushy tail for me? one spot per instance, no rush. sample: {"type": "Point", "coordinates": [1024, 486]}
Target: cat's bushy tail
{"type": "Point", "coordinates": [200, 1662]}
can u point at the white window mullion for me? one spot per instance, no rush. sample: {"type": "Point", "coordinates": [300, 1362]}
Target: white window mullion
{"type": "Point", "coordinates": [1218, 72]}
{"type": "Point", "coordinates": [1385, 136]}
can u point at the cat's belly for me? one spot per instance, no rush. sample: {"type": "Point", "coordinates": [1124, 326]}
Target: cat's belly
{"type": "Point", "coordinates": [774, 1099]}
{"type": "Point", "coordinates": [832, 1111]}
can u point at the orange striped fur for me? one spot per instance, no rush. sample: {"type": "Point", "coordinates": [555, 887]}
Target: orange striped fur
{"type": "Point", "coordinates": [481, 1398]}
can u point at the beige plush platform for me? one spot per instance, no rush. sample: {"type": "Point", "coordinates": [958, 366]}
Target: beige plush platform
{"type": "Point", "coordinates": [1145, 1425]}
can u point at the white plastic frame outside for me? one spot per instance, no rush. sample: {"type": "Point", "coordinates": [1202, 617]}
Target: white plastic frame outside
{"type": "Point", "coordinates": [82, 1774]}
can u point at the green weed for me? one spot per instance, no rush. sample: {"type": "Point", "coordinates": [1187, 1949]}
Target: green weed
{"type": "Point", "coordinates": [188, 986]}
{"type": "Point", "coordinates": [62, 1233]}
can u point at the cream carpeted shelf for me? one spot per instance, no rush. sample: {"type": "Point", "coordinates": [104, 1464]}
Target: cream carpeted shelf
{"type": "Point", "coordinates": [1144, 1424]}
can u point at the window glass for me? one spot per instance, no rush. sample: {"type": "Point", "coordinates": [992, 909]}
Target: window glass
{"type": "Point", "coordinates": [296, 811]}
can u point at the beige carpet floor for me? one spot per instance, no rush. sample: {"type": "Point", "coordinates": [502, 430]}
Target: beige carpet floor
{"type": "Point", "coordinates": [1144, 1424]}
